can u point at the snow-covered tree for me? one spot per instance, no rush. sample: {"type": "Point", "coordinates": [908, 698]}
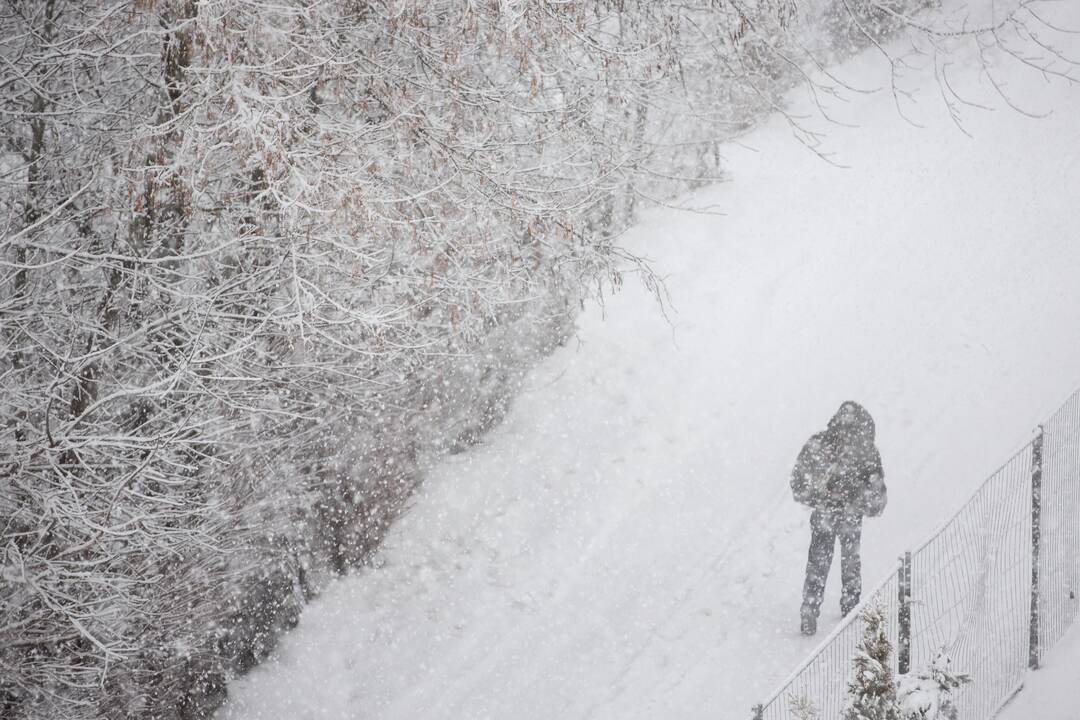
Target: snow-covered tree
{"type": "Point", "coordinates": [872, 690]}
{"type": "Point", "coordinates": [930, 692]}
{"type": "Point", "coordinates": [803, 708]}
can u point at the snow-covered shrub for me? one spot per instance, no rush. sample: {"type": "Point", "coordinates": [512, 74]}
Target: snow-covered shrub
{"type": "Point", "coordinates": [929, 693]}
{"type": "Point", "coordinates": [803, 708]}
{"type": "Point", "coordinates": [853, 25]}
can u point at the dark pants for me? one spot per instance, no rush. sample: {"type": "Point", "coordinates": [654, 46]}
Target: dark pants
{"type": "Point", "coordinates": [828, 526]}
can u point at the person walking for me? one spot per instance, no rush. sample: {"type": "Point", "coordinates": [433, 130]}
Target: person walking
{"type": "Point", "coordinates": [838, 474]}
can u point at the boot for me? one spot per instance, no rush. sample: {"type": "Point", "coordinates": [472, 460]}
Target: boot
{"type": "Point", "coordinates": [847, 605]}
{"type": "Point", "coordinates": [809, 625]}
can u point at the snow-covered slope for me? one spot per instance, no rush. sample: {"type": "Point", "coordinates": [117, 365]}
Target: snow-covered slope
{"type": "Point", "coordinates": [624, 545]}
{"type": "Point", "coordinates": [1053, 691]}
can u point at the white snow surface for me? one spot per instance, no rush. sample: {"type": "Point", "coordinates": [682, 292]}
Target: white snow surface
{"type": "Point", "coordinates": [1053, 691]}
{"type": "Point", "coordinates": [625, 545]}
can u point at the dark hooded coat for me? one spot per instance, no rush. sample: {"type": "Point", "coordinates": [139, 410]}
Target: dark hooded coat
{"type": "Point", "coordinates": [840, 468]}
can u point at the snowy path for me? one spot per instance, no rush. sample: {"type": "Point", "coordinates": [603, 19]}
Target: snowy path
{"type": "Point", "coordinates": [624, 545]}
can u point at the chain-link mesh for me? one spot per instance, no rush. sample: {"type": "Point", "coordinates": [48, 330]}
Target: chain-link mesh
{"type": "Point", "coordinates": [824, 677]}
{"type": "Point", "coordinates": [971, 590]}
{"type": "Point", "coordinates": [1059, 555]}
{"type": "Point", "coordinates": [971, 585]}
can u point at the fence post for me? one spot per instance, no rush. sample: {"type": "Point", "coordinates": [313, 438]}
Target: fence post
{"type": "Point", "coordinates": [1036, 541]}
{"type": "Point", "coordinates": [903, 655]}
{"type": "Point", "coordinates": [759, 712]}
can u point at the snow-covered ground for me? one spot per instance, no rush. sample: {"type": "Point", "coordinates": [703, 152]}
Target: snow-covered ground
{"type": "Point", "coordinates": [1052, 692]}
{"type": "Point", "coordinates": [624, 545]}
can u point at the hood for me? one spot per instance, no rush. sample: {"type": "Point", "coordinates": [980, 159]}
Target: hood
{"type": "Point", "coordinates": [861, 427]}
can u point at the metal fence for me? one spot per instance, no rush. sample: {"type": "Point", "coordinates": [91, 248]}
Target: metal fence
{"type": "Point", "coordinates": [995, 587]}
{"type": "Point", "coordinates": [1059, 559]}
{"type": "Point", "coordinates": [971, 590]}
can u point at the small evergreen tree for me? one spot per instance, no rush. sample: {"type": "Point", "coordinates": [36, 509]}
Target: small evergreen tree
{"type": "Point", "coordinates": [802, 708]}
{"type": "Point", "coordinates": [872, 690]}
